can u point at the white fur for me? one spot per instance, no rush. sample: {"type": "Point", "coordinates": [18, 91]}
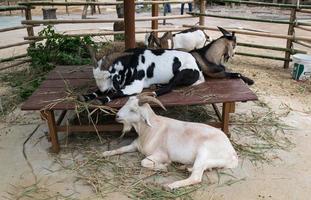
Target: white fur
{"type": "Point", "coordinates": [162, 73]}
{"type": "Point", "coordinates": [189, 41]}
{"type": "Point", "coordinates": [164, 140]}
{"type": "Point", "coordinates": [102, 79]}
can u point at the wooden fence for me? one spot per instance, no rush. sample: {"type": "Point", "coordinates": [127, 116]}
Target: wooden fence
{"type": "Point", "coordinates": [29, 29]}
{"type": "Point", "coordinates": [291, 38]}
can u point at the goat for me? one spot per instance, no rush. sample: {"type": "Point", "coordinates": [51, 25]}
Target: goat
{"type": "Point", "coordinates": [164, 140]}
{"type": "Point", "coordinates": [211, 57]}
{"type": "Point", "coordinates": [130, 72]}
{"type": "Point", "coordinates": [188, 40]}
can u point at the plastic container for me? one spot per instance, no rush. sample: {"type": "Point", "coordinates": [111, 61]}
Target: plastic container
{"type": "Point", "coordinates": [302, 67]}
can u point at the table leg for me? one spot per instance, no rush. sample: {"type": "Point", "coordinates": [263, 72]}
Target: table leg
{"type": "Point", "coordinates": [225, 118]}
{"type": "Point", "coordinates": [232, 107]}
{"type": "Point", "coordinates": [50, 119]}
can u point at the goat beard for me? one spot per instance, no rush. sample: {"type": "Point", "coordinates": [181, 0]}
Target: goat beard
{"type": "Point", "coordinates": [126, 128]}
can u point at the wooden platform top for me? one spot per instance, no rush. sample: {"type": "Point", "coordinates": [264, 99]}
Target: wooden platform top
{"type": "Point", "coordinates": [212, 91]}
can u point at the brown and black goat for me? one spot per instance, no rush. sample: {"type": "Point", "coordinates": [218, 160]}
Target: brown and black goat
{"type": "Point", "coordinates": [211, 57]}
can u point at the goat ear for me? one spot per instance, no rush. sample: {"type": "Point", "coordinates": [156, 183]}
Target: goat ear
{"type": "Point", "coordinates": [145, 116]}
{"type": "Point", "coordinates": [224, 32]}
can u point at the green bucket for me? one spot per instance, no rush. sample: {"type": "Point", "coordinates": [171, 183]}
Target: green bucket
{"type": "Point", "coordinates": [302, 67]}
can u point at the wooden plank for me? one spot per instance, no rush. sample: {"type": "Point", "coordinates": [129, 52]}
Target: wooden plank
{"type": "Point", "coordinates": [71, 72]}
{"type": "Point", "coordinates": [72, 83]}
{"type": "Point", "coordinates": [81, 3]}
{"type": "Point", "coordinates": [87, 21]}
{"type": "Point", "coordinates": [91, 128]}
{"type": "Point", "coordinates": [212, 91]}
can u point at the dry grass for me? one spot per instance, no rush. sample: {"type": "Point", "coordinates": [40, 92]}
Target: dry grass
{"type": "Point", "coordinates": [262, 132]}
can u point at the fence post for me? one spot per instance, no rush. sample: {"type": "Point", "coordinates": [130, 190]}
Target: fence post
{"type": "Point", "coordinates": [291, 30]}
{"type": "Point", "coordinates": [202, 10]}
{"type": "Point", "coordinates": [155, 13]}
{"type": "Point", "coordinates": [28, 16]}
{"type": "Point", "coordinates": [129, 22]}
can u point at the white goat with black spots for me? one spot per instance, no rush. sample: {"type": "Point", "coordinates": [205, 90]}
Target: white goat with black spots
{"type": "Point", "coordinates": [137, 69]}
{"type": "Point", "coordinates": [164, 140]}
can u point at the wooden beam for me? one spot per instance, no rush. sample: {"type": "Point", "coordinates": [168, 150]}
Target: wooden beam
{"type": "Point", "coordinates": [10, 8]}
{"type": "Point", "coordinates": [87, 21]}
{"type": "Point", "coordinates": [14, 28]}
{"type": "Point", "coordinates": [260, 56]}
{"type": "Point", "coordinates": [293, 51]}
{"type": "Point", "coordinates": [90, 128]}
{"type": "Point", "coordinates": [270, 35]}
{"type": "Point", "coordinates": [303, 44]}
{"type": "Point", "coordinates": [304, 11]}
{"type": "Point", "coordinates": [303, 28]}
{"type": "Point", "coordinates": [239, 18]}
{"type": "Point", "coordinates": [13, 58]}
{"type": "Point", "coordinates": [264, 4]}
{"type": "Point", "coordinates": [82, 3]}
{"type": "Point", "coordinates": [16, 44]}
{"type": "Point", "coordinates": [16, 64]}
{"type": "Point", "coordinates": [109, 33]}
{"type": "Point", "coordinates": [129, 22]}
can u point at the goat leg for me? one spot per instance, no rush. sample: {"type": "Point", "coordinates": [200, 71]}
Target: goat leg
{"type": "Point", "coordinates": [185, 77]}
{"type": "Point", "coordinates": [90, 96]}
{"type": "Point", "coordinates": [125, 149]}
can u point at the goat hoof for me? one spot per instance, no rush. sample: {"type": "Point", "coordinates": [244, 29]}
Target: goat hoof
{"type": "Point", "coordinates": [97, 102]}
{"type": "Point", "coordinates": [251, 82]}
{"type": "Point", "coordinates": [81, 98]}
{"type": "Point", "coordinates": [171, 186]}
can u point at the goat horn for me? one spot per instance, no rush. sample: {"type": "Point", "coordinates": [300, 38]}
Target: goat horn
{"type": "Point", "coordinates": [142, 99]}
{"type": "Point", "coordinates": [112, 57]}
{"type": "Point", "coordinates": [146, 94]}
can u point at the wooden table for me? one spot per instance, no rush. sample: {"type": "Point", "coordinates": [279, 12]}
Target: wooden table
{"type": "Point", "coordinates": [225, 91]}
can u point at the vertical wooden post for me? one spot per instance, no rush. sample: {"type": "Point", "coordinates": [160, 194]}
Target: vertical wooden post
{"type": "Point", "coordinates": [202, 10]}
{"type": "Point", "coordinates": [225, 118]}
{"type": "Point", "coordinates": [155, 13]}
{"type": "Point", "coordinates": [291, 30]}
{"type": "Point", "coordinates": [67, 11]}
{"type": "Point", "coordinates": [10, 10]}
{"type": "Point", "coordinates": [50, 119]}
{"type": "Point", "coordinates": [28, 16]}
{"type": "Point", "coordinates": [129, 23]}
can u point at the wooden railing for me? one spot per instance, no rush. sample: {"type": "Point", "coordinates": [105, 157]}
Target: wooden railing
{"type": "Point", "coordinates": [27, 27]}
{"type": "Point", "coordinates": [291, 38]}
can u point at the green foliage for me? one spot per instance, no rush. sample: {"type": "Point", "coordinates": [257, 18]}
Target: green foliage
{"type": "Point", "coordinates": [59, 49]}
{"type": "Point", "coordinates": [55, 49]}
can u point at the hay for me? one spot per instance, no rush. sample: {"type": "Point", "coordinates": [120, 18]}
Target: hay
{"type": "Point", "coordinates": [259, 136]}
{"type": "Point", "coordinates": [256, 136]}
{"type": "Point", "coordinates": [34, 192]}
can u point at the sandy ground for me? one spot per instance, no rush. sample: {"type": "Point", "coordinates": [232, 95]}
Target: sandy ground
{"type": "Point", "coordinates": [288, 177]}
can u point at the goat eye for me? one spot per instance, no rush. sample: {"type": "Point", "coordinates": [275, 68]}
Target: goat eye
{"type": "Point", "coordinates": [132, 110]}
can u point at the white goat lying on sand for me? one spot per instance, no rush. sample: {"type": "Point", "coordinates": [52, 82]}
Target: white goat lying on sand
{"type": "Point", "coordinates": [164, 140]}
